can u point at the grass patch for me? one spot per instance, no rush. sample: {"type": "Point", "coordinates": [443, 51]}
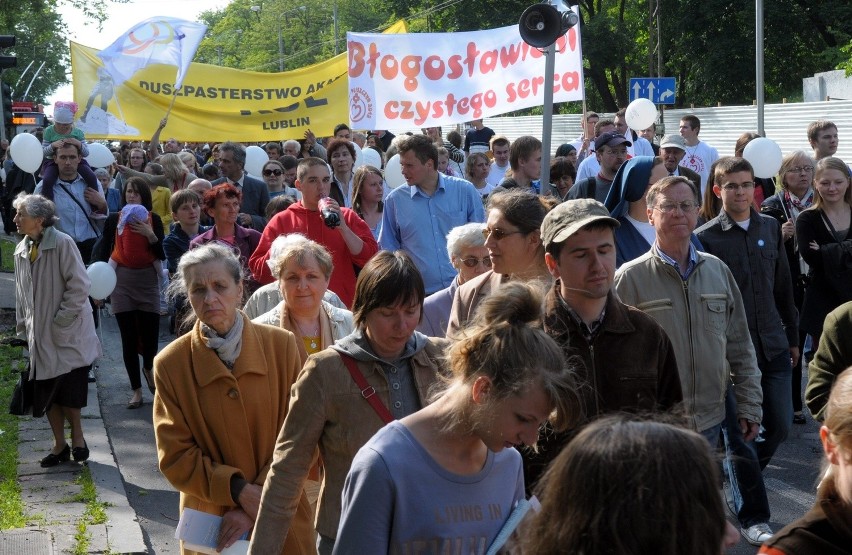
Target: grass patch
{"type": "Point", "coordinates": [6, 261]}
{"type": "Point", "coordinates": [11, 507]}
{"type": "Point", "coordinates": [94, 514]}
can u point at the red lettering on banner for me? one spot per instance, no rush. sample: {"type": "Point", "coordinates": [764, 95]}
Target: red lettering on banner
{"type": "Point", "coordinates": [411, 69]}
{"type": "Point", "coordinates": [489, 62]}
{"type": "Point", "coordinates": [470, 60]}
{"type": "Point", "coordinates": [509, 56]}
{"type": "Point", "coordinates": [390, 110]}
{"type": "Point", "coordinates": [434, 68]}
{"type": "Point", "coordinates": [389, 67]}
{"type": "Point", "coordinates": [474, 62]}
{"type": "Point", "coordinates": [421, 111]}
{"type": "Point", "coordinates": [569, 81]}
{"type": "Point", "coordinates": [356, 58]}
{"type": "Point", "coordinates": [456, 69]}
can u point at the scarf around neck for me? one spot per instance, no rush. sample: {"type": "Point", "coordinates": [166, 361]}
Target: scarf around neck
{"type": "Point", "coordinates": [227, 347]}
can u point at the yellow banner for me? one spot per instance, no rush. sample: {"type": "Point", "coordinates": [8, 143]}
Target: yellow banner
{"type": "Point", "coordinates": [215, 103]}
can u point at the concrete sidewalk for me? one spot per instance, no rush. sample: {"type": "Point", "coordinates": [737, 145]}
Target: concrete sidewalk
{"type": "Point", "coordinates": [53, 514]}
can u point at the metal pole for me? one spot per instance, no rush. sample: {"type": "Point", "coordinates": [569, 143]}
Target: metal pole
{"type": "Point", "coordinates": [336, 39]}
{"type": "Point", "coordinates": [27, 92]}
{"type": "Point", "coordinates": [219, 54]}
{"type": "Point", "coordinates": [758, 51]}
{"type": "Point", "coordinates": [547, 121]}
{"type": "Point", "coordinates": [280, 46]}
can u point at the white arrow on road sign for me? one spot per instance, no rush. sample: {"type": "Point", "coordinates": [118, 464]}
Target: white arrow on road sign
{"type": "Point", "coordinates": [636, 89]}
{"type": "Point", "coordinates": [666, 94]}
{"type": "Point", "coordinates": [651, 91]}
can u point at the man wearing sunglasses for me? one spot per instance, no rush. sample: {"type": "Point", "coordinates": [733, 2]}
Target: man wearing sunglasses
{"type": "Point", "coordinates": [695, 298]}
{"type": "Point", "coordinates": [628, 361]}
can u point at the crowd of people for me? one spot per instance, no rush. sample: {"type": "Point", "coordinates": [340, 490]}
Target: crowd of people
{"type": "Point", "coordinates": [358, 368]}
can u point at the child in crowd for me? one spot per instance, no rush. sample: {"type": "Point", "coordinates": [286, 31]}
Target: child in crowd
{"type": "Point", "coordinates": [131, 247]}
{"type": "Point", "coordinates": [57, 135]}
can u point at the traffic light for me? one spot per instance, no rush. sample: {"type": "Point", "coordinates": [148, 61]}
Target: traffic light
{"type": "Point", "coordinates": [6, 94]}
{"type": "Point", "coordinates": [7, 41]}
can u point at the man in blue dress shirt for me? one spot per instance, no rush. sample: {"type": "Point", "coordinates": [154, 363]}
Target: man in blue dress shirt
{"type": "Point", "coordinates": [417, 218]}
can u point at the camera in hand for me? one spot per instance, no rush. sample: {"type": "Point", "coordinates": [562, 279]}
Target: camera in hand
{"type": "Point", "coordinates": [329, 217]}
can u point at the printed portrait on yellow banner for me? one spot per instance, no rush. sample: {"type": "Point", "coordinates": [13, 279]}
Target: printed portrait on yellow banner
{"type": "Point", "coordinates": [215, 103]}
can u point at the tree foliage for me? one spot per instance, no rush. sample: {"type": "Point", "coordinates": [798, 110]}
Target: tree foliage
{"type": "Point", "coordinates": [708, 45]}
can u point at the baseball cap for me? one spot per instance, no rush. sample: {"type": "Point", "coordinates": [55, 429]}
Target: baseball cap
{"type": "Point", "coordinates": [673, 141]}
{"type": "Point", "coordinates": [611, 138]}
{"type": "Point", "coordinates": [570, 216]}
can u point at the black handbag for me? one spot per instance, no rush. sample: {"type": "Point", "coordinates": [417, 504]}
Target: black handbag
{"type": "Point", "coordinates": [22, 396]}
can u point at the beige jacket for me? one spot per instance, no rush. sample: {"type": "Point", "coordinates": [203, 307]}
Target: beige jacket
{"type": "Point", "coordinates": [52, 306]}
{"type": "Point", "coordinates": [327, 410]}
{"type": "Point", "coordinates": [469, 295]}
{"type": "Point", "coordinates": [706, 323]}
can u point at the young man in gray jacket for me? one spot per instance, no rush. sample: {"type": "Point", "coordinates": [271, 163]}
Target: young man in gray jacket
{"type": "Point", "coordinates": [753, 248]}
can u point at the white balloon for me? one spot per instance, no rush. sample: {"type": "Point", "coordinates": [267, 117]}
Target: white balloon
{"type": "Point", "coordinates": [256, 157]}
{"type": "Point", "coordinates": [26, 151]}
{"type": "Point", "coordinates": [765, 156]}
{"type": "Point", "coordinates": [99, 156]}
{"type": "Point", "coordinates": [641, 113]}
{"type": "Point", "coordinates": [103, 280]}
{"type": "Point", "coordinates": [372, 157]}
{"type": "Point", "coordinates": [359, 157]}
{"type": "Point", "coordinates": [393, 172]}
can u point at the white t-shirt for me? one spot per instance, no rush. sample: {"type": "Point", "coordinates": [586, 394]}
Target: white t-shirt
{"type": "Point", "coordinates": [485, 191]}
{"type": "Point", "coordinates": [589, 167]}
{"type": "Point", "coordinates": [496, 174]}
{"type": "Point", "coordinates": [699, 158]}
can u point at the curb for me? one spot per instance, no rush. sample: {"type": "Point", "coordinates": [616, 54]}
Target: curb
{"type": "Point", "coordinates": [48, 493]}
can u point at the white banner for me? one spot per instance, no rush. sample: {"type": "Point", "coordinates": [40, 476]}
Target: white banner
{"type": "Point", "coordinates": [432, 79]}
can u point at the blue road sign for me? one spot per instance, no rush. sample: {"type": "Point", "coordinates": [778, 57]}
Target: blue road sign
{"type": "Point", "coordinates": [659, 90]}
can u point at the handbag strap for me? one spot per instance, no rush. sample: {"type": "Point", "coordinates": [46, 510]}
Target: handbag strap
{"type": "Point", "coordinates": [77, 202]}
{"type": "Point", "coordinates": [368, 392]}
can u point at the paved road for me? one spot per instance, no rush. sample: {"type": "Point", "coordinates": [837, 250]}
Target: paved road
{"type": "Point", "coordinates": [790, 479]}
{"type": "Point", "coordinates": [132, 437]}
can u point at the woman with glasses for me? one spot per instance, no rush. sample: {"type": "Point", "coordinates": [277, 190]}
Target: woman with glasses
{"type": "Point", "coordinates": [824, 235]}
{"type": "Point", "coordinates": [273, 176]}
{"type": "Point", "coordinates": [513, 239]}
{"type": "Point", "coordinates": [466, 247]}
{"type": "Point", "coordinates": [797, 194]}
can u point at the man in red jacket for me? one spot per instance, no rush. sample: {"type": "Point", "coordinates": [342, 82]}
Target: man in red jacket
{"type": "Point", "coordinates": [351, 243]}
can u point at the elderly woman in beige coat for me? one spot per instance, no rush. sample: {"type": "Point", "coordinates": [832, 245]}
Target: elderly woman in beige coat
{"type": "Point", "coordinates": [222, 392]}
{"type": "Point", "coordinates": [55, 317]}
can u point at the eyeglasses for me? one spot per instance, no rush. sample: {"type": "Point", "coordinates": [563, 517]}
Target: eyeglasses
{"type": "Point", "coordinates": [498, 234]}
{"type": "Point", "coordinates": [471, 262]}
{"type": "Point", "coordinates": [801, 169]}
{"type": "Point", "coordinates": [687, 207]}
{"type": "Point", "coordinates": [267, 173]}
{"type": "Point", "coordinates": [737, 186]}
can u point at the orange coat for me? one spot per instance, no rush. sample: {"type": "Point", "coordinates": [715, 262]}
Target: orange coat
{"type": "Point", "coordinates": [211, 423]}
